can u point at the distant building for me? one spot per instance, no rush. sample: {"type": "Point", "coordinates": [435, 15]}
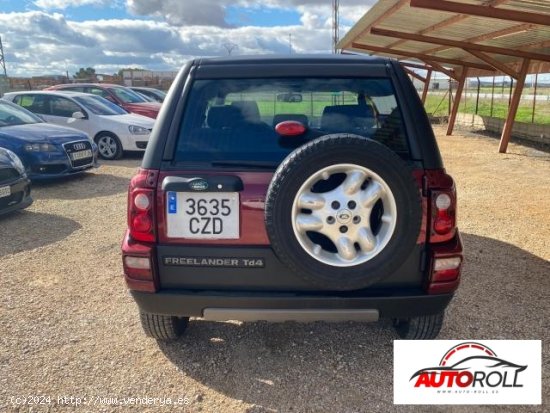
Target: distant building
{"type": "Point", "coordinates": [35, 82]}
{"type": "Point", "coordinates": [102, 78]}
{"type": "Point", "coordinates": [161, 80]}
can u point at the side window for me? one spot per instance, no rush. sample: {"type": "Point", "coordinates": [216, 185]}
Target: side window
{"type": "Point", "coordinates": [97, 91]}
{"type": "Point", "coordinates": [23, 100]}
{"type": "Point", "coordinates": [103, 93]}
{"type": "Point", "coordinates": [74, 88]}
{"type": "Point", "coordinates": [63, 107]}
{"type": "Point", "coordinates": [33, 103]}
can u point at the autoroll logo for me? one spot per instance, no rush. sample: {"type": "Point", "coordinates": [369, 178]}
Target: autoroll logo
{"type": "Point", "coordinates": [470, 365]}
{"type": "Point", "coordinates": [467, 372]}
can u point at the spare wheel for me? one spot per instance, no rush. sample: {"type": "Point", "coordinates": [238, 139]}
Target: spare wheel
{"type": "Point", "coordinates": [343, 211]}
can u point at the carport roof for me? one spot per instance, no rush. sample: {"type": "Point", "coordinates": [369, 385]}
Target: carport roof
{"type": "Point", "coordinates": [489, 37]}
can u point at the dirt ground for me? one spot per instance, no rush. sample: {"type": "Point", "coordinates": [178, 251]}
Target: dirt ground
{"type": "Point", "coordinates": [69, 328]}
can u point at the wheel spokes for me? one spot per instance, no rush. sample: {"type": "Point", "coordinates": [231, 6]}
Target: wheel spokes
{"type": "Point", "coordinates": [372, 194]}
{"type": "Point", "coordinates": [311, 201]}
{"type": "Point", "coordinates": [366, 239]}
{"type": "Point", "coordinates": [333, 224]}
{"type": "Point", "coordinates": [306, 223]}
{"type": "Point", "coordinates": [346, 249]}
{"type": "Point", "coordinates": [353, 182]}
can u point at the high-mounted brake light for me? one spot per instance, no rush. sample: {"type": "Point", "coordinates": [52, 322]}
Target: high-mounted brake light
{"type": "Point", "coordinates": [290, 128]}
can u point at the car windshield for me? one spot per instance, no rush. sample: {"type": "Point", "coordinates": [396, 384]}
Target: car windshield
{"type": "Point", "coordinates": [236, 119]}
{"type": "Point", "coordinates": [153, 92]}
{"type": "Point", "coordinates": [144, 96]}
{"type": "Point", "coordinates": [11, 115]}
{"type": "Point", "coordinates": [99, 106]}
{"type": "Point", "coordinates": [159, 93]}
{"type": "Point", "coordinates": [127, 95]}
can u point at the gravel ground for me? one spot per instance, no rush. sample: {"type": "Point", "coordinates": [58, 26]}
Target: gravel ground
{"type": "Point", "coordinates": [69, 328]}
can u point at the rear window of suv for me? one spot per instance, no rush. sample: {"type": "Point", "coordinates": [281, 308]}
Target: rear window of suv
{"type": "Point", "coordinates": [235, 119]}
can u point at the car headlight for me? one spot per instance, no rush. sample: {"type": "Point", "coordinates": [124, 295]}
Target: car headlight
{"type": "Point", "coordinates": [15, 160]}
{"type": "Point", "coordinates": [40, 147]}
{"type": "Point", "coordinates": [138, 130]}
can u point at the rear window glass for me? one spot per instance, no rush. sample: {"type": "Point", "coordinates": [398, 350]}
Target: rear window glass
{"type": "Point", "coordinates": [235, 119]}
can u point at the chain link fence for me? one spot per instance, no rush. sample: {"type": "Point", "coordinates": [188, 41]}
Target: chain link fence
{"type": "Point", "coordinates": [490, 97]}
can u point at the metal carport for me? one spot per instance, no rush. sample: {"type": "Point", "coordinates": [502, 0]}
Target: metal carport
{"type": "Point", "coordinates": [460, 38]}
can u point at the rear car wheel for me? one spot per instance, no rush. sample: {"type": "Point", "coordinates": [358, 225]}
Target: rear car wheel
{"type": "Point", "coordinates": [109, 146]}
{"type": "Point", "coordinates": [425, 327]}
{"type": "Point", "coordinates": [163, 327]}
{"type": "Point", "coordinates": [343, 211]}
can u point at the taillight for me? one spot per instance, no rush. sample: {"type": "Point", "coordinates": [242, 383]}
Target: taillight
{"type": "Point", "coordinates": [446, 269]}
{"type": "Point", "coordinates": [445, 265]}
{"type": "Point", "coordinates": [445, 275]}
{"type": "Point", "coordinates": [444, 243]}
{"type": "Point", "coordinates": [141, 205]}
{"type": "Point", "coordinates": [444, 219]}
{"type": "Point", "coordinates": [138, 263]}
{"type": "Point", "coordinates": [442, 209]}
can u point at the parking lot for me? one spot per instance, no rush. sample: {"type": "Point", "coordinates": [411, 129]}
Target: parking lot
{"type": "Point", "coordinates": [69, 328]}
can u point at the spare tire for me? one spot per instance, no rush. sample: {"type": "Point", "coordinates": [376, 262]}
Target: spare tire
{"type": "Point", "coordinates": [343, 211]}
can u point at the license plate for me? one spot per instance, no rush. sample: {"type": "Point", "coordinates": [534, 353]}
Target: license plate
{"type": "Point", "coordinates": [75, 156]}
{"type": "Point", "coordinates": [208, 215]}
{"type": "Point", "coordinates": [5, 191]}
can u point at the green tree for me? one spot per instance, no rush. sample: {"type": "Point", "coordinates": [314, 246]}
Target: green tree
{"type": "Point", "coordinates": [85, 73]}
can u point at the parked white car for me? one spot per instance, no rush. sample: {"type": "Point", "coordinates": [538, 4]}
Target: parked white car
{"type": "Point", "coordinates": [111, 127]}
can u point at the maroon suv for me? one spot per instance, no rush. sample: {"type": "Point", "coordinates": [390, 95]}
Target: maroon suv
{"type": "Point", "coordinates": [331, 206]}
{"type": "Point", "coordinates": [122, 96]}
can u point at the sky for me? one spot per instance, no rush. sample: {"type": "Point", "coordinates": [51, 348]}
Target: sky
{"type": "Point", "coordinates": [54, 36]}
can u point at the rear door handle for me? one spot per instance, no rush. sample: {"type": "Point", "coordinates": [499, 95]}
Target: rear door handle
{"type": "Point", "coordinates": [215, 183]}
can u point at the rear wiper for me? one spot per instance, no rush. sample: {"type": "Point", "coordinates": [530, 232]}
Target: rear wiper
{"type": "Point", "coordinates": [247, 164]}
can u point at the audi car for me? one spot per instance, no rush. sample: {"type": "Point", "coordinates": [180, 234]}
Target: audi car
{"type": "Point", "coordinates": [46, 151]}
{"type": "Point", "coordinates": [15, 188]}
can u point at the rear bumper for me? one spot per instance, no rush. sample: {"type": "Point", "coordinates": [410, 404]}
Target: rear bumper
{"type": "Point", "coordinates": [218, 305]}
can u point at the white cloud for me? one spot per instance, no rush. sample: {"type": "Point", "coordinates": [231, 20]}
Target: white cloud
{"type": "Point", "coordinates": [40, 42]}
{"type": "Point", "coordinates": [63, 4]}
{"type": "Point", "coordinates": [177, 12]}
{"type": "Point", "coordinates": [212, 12]}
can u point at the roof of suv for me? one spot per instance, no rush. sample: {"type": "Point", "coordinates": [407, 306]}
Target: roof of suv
{"type": "Point", "coordinates": [290, 65]}
{"type": "Point", "coordinates": [293, 59]}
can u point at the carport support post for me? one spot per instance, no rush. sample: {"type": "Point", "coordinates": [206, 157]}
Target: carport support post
{"type": "Point", "coordinates": [513, 109]}
{"type": "Point", "coordinates": [456, 103]}
{"type": "Point", "coordinates": [426, 85]}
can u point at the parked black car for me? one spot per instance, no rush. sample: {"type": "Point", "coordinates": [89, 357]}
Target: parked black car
{"type": "Point", "coordinates": [15, 188]}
